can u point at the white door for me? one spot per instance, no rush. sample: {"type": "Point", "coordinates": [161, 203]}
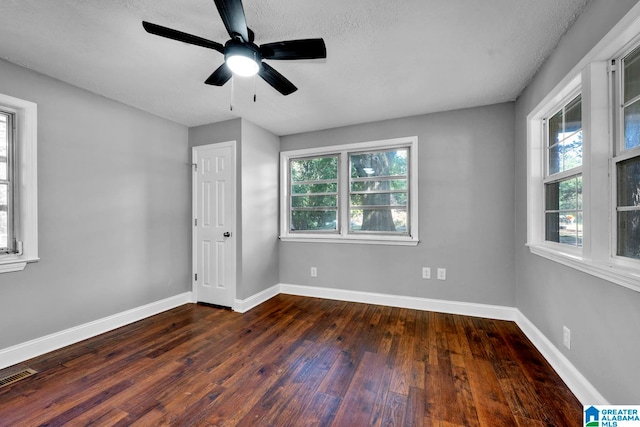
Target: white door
{"type": "Point", "coordinates": [214, 223]}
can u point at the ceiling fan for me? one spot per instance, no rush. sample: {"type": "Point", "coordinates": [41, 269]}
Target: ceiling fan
{"type": "Point", "coordinates": [241, 55]}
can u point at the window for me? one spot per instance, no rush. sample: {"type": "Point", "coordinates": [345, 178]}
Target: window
{"type": "Point", "coordinates": [563, 183]}
{"type": "Point", "coordinates": [583, 165]}
{"type": "Point", "coordinates": [314, 194]}
{"type": "Point", "coordinates": [627, 160]}
{"type": "Point", "coordinates": [358, 193]}
{"type": "Point", "coordinates": [7, 239]}
{"type": "Point", "coordinates": [378, 191]}
{"type": "Point", "coordinates": [18, 184]}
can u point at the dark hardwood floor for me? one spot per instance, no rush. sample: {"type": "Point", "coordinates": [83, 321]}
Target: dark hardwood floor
{"type": "Point", "coordinates": [295, 361]}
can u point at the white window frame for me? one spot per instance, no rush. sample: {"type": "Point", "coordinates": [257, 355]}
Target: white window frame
{"type": "Point", "coordinates": [619, 152]}
{"type": "Point", "coordinates": [591, 76]}
{"type": "Point", "coordinates": [26, 186]}
{"type": "Point", "coordinates": [343, 235]}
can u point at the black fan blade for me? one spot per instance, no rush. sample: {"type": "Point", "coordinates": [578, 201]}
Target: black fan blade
{"type": "Point", "coordinates": [169, 33]}
{"type": "Point", "coordinates": [220, 76]}
{"type": "Point", "coordinates": [276, 80]}
{"type": "Point", "coordinates": [232, 14]}
{"type": "Point", "coordinates": [294, 49]}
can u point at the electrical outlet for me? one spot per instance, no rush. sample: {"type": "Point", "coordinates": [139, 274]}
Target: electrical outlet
{"type": "Point", "coordinates": [442, 274]}
{"type": "Point", "coordinates": [314, 272]}
{"type": "Point", "coordinates": [426, 273]}
{"type": "Point", "coordinates": [566, 337]}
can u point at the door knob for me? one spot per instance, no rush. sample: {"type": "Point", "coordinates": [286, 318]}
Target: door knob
{"type": "Point", "coordinates": [226, 234]}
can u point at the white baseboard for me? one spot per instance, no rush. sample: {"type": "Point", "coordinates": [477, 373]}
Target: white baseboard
{"type": "Point", "coordinates": [577, 383]}
{"type": "Point", "coordinates": [242, 306]}
{"type": "Point", "coordinates": [19, 353]}
{"type": "Point", "coordinates": [426, 304]}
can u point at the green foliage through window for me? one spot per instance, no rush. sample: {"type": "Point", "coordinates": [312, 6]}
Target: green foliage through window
{"type": "Point", "coordinates": [314, 194]}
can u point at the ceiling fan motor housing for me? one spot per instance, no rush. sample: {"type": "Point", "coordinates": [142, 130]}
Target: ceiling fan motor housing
{"type": "Point", "coordinates": [235, 47]}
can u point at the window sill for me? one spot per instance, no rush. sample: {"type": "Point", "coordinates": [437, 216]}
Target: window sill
{"type": "Point", "coordinates": [618, 274]}
{"type": "Point", "coordinates": [11, 263]}
{"type": "Point", "coordinates": [360, 240]}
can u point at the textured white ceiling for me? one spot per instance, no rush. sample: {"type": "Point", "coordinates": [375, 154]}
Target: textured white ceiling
{"type": "Point", "coordinates": [385, 58]}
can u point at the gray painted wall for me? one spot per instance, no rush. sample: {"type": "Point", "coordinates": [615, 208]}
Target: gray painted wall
{"type": "Point", "coordinates": [257, 153]}
{"type": "Point", "coordinates": [114, 211]}
{"type": "Point", "coordinates": [260, 254]}
{"type": "Point", "coordinates": [604, 318]}
{"type": "Point", "coordinates": [466, 213]}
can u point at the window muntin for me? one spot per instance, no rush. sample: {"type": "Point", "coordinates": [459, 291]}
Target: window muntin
{"type": "Point", "coordinates": [7, 190]}
{"type": "Point", "coordinates": [378, 191]}
{"type": "Point", "coordinates": [563, 220]}
{"type": "Point", "coordinates": [313, 193]}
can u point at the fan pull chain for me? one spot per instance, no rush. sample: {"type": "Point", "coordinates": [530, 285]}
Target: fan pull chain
{"type": "Point", "coordinates": [254, 88]}
{"type": "Point", "coordinates": [231, 100]}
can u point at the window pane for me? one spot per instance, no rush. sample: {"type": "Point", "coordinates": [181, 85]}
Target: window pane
{"type": "Point", "coordinates": [564, 150]}
{"type": "Point", "coordinates": [322, 220]}
{"type": "Point", "coordinates": [632, 75]}
{"type": "Point", "coordinates": [384, 220]}
{"type": "Point", "coordinates": [383, 199]}
{"type": "Point", "coordinates": [552, 198]}
{"type": "Point", "coordinates": [629, 182]}
{"type": "Point", "coordinates": [628, 186]}
{"type": "Point", "coordinates": [316, 169]}
{"type": "Point", "coordinates": [314, 188]}
{"type": "Point", "coordinates": [579, 229]}
{"type": "Point", "coordinates": [632, 126]}
{"type": "Point", "coordinates": [314, 201]}
{"type": "Point", "coordinates": [555, 128]}
{"type": "Point", "coordinates": [573, 116]}
{"type": "Point", "coordinates": [572, 151]}
{"type": "Point", "coordinates": [570, 231]}
{"type": "Point", "coordinates": [4, 146]}
{"type": "Point", "coordinates": [4, 217]}
{"type": "Point", "coordinates": [384, 163]}
{"type": "Point", "coordinates": [629, 234]}
{"type": "Point", "coordinates": [555, 157]}
{"type": "Point", "coordinates": [568, 196]}
{"type": "Point", "coordinates": [563, 211]}
{"type": "Point", "coordinates": [552, 226]}
{"type": "Point", "coordinates": [394, 184]}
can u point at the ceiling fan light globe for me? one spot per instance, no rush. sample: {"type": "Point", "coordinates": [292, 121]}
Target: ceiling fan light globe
{"type": "Point", "coordinates": [242, 65]}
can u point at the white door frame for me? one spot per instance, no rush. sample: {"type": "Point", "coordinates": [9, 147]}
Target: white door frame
{"type": "Point", "coordinates": [194, 212]}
